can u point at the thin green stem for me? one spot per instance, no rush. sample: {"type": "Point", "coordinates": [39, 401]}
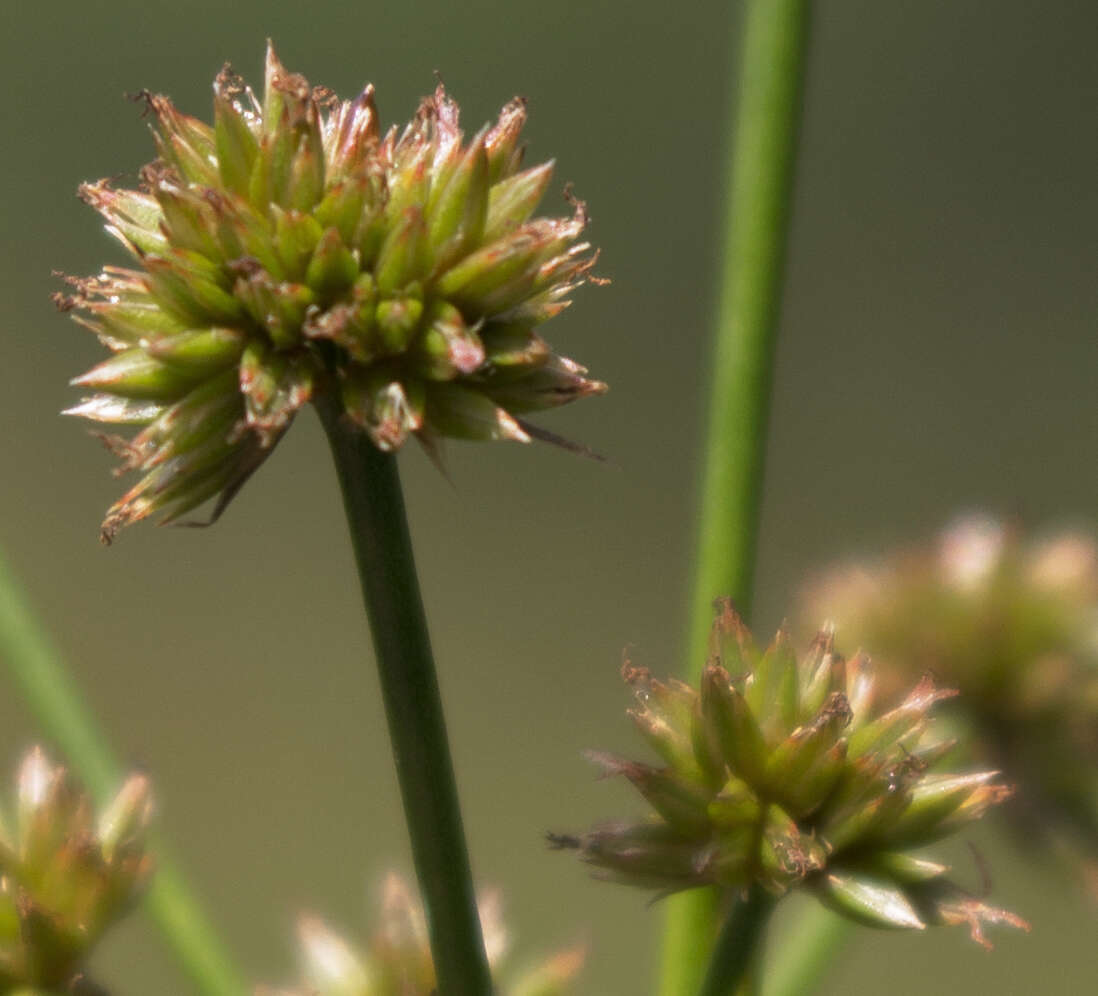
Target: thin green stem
{"type": "Point", "coordinates": [383, 548]}
{"type": "Point", "coordinates": [55, 702]}
{"type": "Point", "coordinates": [807, 952]}
{"type": "Point", "coordinates": [760, 173]}
{"type": "Point", "coordinates": [737, 952]}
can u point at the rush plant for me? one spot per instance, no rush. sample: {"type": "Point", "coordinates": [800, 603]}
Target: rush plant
{"type": "Point", "coordinates": [294, 252]}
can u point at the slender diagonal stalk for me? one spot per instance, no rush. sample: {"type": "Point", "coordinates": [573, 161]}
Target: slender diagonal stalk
{"type": "Point", "coordinates": [49, 691]}
{"type": "Point", "coordinates": [736, 953]}
{"type": "Point", "coordinates": [761, 158]}
{"type": "Point", "coordinates": [383, 548]}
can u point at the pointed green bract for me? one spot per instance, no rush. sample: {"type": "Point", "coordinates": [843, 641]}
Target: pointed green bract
{"type": "Point", "coordinates": [139, 376]}
{"type": "Point", "coordinates": [296, 243]}
{"type": "Point", "coordinates": [874, 902]}
{"type": "Point", "coordinates": [779, 775]}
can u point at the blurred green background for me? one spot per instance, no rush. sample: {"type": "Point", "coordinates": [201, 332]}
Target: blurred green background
{"type": "Point", "coordinates": [938, 352]}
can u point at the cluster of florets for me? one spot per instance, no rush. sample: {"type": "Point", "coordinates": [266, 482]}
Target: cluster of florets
{"type": "Point", "coordinates": [1013, 624]}
{"type": "Point", "coordinates": [292, 250]}
{"type": "Point", "coordinates": [396, 960]}
{"type": "Point", "coordinates": [779, 772]}
{"type": "Point", "coordinates": [65, 875]}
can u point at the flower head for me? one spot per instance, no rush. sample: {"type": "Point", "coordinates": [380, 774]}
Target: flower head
{"type": "Point", "coordinates": [397, 958]}
{"type": "Point", "coordinates": [779, 772]}
{"type": "Point", "coordinates": [293, 250]}
{"type": "Point", "coordinates": [1013, 624]}
{"type": "Point", "coordinates": [65, 876]}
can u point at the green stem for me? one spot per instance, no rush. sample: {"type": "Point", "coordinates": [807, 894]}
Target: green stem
{"type": "Point", "coordinates": [383, 548]}
{"type": "Point", "coordinates": [757, 214]}
{"type": "Point", "coordinates": [807, 952]}
{"type": "Point", "coordinates": [53, 698]}
{"type": "Point", "coordinates": [737, 951]}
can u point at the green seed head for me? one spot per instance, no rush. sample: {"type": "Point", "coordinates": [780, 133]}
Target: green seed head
{"type": "Point", "coordinates": [779, 771]}
{"type": "Point", "coordinates": [65, 875]}
{"type": "Point", "coordinates": [397, 958]}
{"type": "Point", "coordinates": [1012, 623]}
{"type": "Point", "coordinates": [293, 250]}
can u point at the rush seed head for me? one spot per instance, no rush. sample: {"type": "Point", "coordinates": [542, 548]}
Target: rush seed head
{"type": "Point", "coordinates": [293, 250]}
{"type": "Point", "coordinates": [1012, 622]}
{"type": "Point", "coordinates": [396, 958]}
{"type": "Point", "coordinates": [779, 771]}
{"type": "Point", "coordinates": [66, 873]}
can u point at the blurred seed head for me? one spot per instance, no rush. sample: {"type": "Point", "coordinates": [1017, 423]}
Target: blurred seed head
{"type": "Point", "coordinates": [66, 874]}
{"type": "Point", "coordinates": [294, 252]}
{"type": "Point", "coordinates": [782, 772]}
{"type": "Point", "coordinates": [396, 959]}
{"type": "Point", "coordinates": [1012, 622]}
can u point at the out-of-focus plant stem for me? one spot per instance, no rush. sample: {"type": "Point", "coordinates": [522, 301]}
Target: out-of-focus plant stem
{"type": "Point", "coordinates": [54, 701]}
{"type": "Point", "coordinates": [760, 170]}
{"type": "Point", "coordinates": [807, 952]}
{"type": "Point", "coordinates": [735, 956]}
{"type": "Point", "coordinates": [374, 505]}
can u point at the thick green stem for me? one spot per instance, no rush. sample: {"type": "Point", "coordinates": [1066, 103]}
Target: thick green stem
{"type": "Point", "coordinates": [383, 548]}
{"type": "Point", "coordinates": [761, 158]}
{"type": "Point", "coordinates": [807, 951]}
{"type": "Point", "coordinates": [737, 952]}
{"type": "Point", "coordinates": [56, 704]}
